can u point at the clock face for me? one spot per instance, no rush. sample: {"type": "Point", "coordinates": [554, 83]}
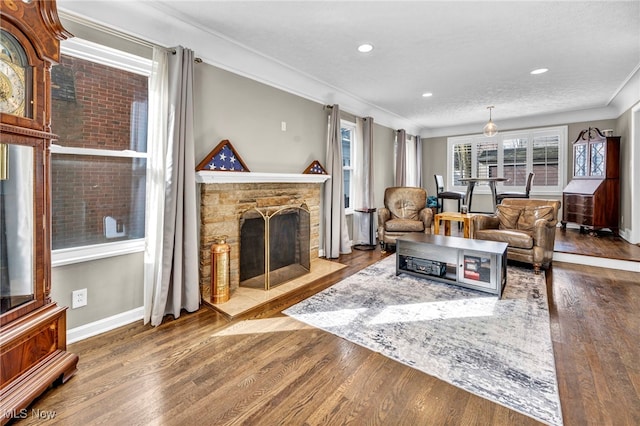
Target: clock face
{"type": "Point", "coordinates": [12, 88]}
{"type": "Point", "coordinates": [13, 71]}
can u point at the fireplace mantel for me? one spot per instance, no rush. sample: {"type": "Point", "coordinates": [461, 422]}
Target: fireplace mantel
{"type": "Point", "coordinates": [206, 176]}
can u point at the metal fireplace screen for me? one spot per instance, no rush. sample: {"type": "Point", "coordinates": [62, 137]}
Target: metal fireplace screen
{"type": "Point", "coordinates": [274, 246]}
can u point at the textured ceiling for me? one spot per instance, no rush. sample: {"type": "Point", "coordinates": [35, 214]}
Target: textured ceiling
{"type": "Point", "coordinates": [468, 54]}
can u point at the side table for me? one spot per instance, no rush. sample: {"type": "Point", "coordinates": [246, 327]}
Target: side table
{"type": "Point", "coordinates": [449, 217]}
{"type": "Point", "coordinates": [372, 241]}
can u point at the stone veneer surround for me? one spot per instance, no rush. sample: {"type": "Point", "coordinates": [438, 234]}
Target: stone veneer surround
{"type": "Point", "coordinates": [224, 196]}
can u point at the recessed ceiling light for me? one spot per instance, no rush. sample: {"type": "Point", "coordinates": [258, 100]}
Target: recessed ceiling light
{"type": "Point", "coordinates": [365, 48]}
{"type": "Point", "coordinates": [539, 71]}
{"type": "Point", "coordinates": [427, 94]}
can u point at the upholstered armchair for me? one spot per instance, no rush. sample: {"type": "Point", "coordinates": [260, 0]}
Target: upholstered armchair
{"type": "Point", "coordinates": [405, 210]}
{"type": "Point", "coordinates": [527, 225]}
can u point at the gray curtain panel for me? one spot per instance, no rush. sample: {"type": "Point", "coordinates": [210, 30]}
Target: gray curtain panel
{"type": "Point", "coordinates": [336, 236]}
{"type": "Point", "coordinates": [174, 283]}
{"type": "Point", "coordinates": [419, 162]}
{"type": "Point", "coordinates": [367, 160]}
{"type": "Point", "coordinates": [401, 157]}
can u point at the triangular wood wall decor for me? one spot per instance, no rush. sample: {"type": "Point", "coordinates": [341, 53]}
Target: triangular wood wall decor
{"type": "Point", "coordinates": [224, 158]}
{"type": "Point", "coordinates": [315, 168]}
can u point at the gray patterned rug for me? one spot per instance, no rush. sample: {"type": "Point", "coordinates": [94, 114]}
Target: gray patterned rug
{"type": "Point", "coordinates": [498, 349]}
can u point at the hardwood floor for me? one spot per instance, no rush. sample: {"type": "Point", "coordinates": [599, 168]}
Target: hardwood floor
{"type": "Point", "coordinates": [203, 369]}
{"type": "Point", "coordinates": [603, 244]}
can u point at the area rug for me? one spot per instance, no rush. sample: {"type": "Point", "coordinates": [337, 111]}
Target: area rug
{"type": "Point", "coordinates": [499, 349]}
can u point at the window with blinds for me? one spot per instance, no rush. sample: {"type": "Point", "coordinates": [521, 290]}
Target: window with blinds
{"type": "Point", "coordinates": [515, 161]}
{"type": "Point", "coordinates": [545, 160]}
{"type": "Point", "coordinates": [461, 162]}
{"type": "Point", "coordinates": [511, 155]}
{"type": "Point", "coordinates": [486, 159]}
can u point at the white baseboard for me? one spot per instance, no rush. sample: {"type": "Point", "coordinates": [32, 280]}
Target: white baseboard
{"type": "Point", "coordinates": [626, 235]}
{"type": "Point", "coordinates": [623, 265]}
{"type": "Point", "coordinates": [106, 324]}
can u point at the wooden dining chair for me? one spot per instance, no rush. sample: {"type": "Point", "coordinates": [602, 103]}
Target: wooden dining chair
{"type": "Point", "coordinates": [501, 196]}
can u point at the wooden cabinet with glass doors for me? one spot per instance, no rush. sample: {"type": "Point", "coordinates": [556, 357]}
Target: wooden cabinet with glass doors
{"type": "Point", "coordinates": [592, 198]}
{"type": "Point", "coordinates": [33, 352]}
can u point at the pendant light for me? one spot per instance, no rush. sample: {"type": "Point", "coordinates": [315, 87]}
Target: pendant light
{"type": "Point", "coordinates": [490, 129]}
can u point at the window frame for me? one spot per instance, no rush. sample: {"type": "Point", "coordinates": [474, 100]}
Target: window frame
{"type": "Point", "coordinates": [530, 135]}
{"type": "Point", "coordinates": [89, 51]}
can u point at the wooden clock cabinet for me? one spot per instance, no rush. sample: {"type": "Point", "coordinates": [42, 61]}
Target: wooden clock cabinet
{"type": "Point", "coordinates": [592, 198]}
{"type": "Point", "coordinates": [33, 353]}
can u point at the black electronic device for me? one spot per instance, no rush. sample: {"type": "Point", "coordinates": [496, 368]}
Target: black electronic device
{"type": "Point", "coordinates": [427, 267]}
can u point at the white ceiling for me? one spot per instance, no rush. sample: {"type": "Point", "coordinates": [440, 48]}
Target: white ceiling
{"type": "Point", "coordinates": [468, 54]}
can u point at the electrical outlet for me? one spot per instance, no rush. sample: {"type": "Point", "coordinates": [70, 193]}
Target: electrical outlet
{"type": "Point", "coordinates": [79, 298]}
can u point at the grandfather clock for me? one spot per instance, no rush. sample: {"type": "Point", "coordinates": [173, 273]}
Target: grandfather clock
{"type": "Point", "coordinates": [33, 343]}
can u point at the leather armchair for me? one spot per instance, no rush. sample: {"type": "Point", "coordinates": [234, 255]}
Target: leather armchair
{"type": "Point", "coordinates": [405, 210]}
{"type": "Point", "coordinates": [527, 225]}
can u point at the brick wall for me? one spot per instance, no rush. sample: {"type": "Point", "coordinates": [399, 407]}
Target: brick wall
{"type": "Point", "coordinates": [221, 206]}
{"type": "Point", "coordinates": [95, 106]}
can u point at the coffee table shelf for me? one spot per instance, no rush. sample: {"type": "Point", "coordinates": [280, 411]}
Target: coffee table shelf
{"type": "Point", "coordinates": [475, 264]}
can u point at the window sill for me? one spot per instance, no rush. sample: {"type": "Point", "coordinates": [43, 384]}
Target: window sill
{"type": "Point", "coordinates": [81, 254]}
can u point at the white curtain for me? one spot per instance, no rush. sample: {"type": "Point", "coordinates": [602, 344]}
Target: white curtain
{"type": "Point", "coordinates": [171, 253]}
{"type": "Point", "coordinates": [336, 235]}
{"type": "Point", "coordinates": [363, 181]}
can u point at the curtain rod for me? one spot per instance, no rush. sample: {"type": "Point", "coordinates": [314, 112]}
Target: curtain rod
{"type": "Point", "coordinates": [196, 60]}
{"type": "Point", "coordinates": [363, 118]}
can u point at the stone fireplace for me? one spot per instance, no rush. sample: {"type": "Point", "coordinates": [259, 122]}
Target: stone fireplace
{"type": "Point", "coordinates": [226, 196]}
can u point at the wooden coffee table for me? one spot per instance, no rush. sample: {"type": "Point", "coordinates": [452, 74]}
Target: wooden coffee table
{"type": "Point", "coordinates": [449, 217]}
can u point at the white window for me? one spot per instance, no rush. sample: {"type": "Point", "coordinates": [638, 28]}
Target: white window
{"type": "Point", "coordinates": [348, 132]}
{"type": "Point", "coordinates": [99, 162]}
{"type": "Point", "coordinates": [512, 155]}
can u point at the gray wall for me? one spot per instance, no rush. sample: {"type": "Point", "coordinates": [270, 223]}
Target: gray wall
{"type": "Point", "coordinates": [249, 114]}
{"type": "Point", "coordinates": [114, 285]}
